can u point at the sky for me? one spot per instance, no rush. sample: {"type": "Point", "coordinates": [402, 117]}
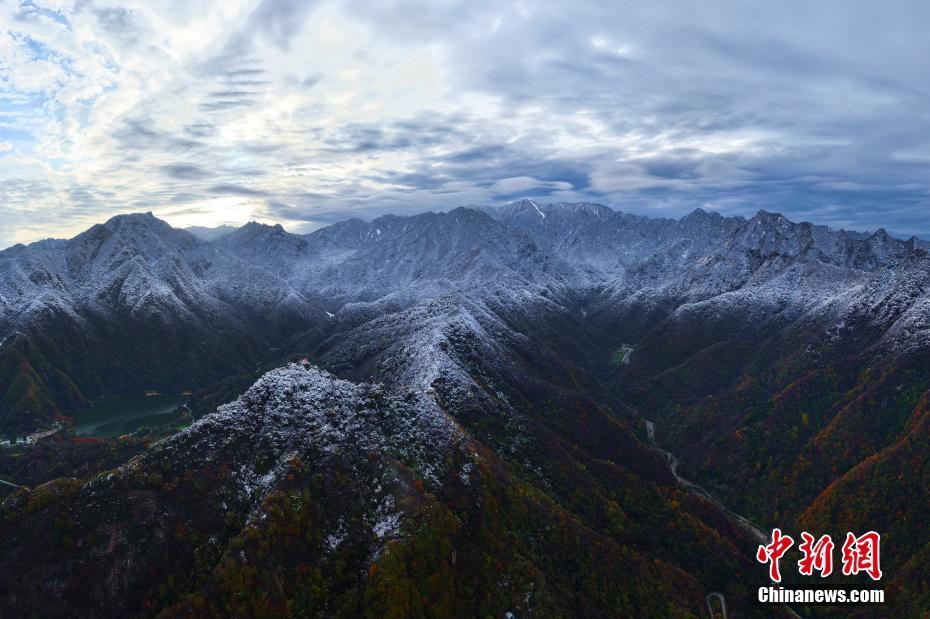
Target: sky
{"type": "Point", "coordinates": [309, 112]}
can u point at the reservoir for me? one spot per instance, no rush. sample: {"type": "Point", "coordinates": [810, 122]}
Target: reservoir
{"type": "Point", "coordinates": [119, 415]}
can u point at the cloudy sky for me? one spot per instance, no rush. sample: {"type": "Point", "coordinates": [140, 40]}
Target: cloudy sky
{"type": "Point", "coordinates": [306, 112]}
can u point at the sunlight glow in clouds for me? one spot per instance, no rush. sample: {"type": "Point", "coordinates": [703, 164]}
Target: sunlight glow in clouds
{"type": "Point", "coordinates": [307, 112]}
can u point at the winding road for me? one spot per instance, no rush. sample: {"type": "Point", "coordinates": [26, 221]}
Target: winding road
{"type": "Point", "coordinates": [742, 522]}
{"type": "Point", "coordinates": [721, 603]}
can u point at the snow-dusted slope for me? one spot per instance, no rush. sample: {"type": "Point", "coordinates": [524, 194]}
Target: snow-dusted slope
{"type": "Point", "coordinates": [127, 306]}
{"type": "Point", "coordinates": [410, 258]}
{"type": "Point", "coordinates": [136, 266]}
{"type": "Point", "coordinates": [301, 411]}
{"type": "Point", "coordinates": [323, 496]}
{"type": "Point", "coordinates": [136, 281]}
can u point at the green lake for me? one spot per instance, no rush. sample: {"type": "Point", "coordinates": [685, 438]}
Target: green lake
{"type": "Point", "coordinates": [125, 414]}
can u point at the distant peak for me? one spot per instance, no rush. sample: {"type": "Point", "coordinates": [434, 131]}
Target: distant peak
{"type": "Point", "coordinates": [769, 218]}
{"type": "Point", "coordinates": [700, 214]}
{"type": "Point", "coordinates": [146, 216]}
{"type": "Point", "coordinates": [206, 233]}
{"type": "Point", "coordinates": [525, 203]}
{"type": "Point", "coordinates": [144, 232]}
{"type": "Point", "coordinates": [528, 205]}
{"type": "Point", "coordinates": [136, 221]}
{"type": "Point", "coordinates": [462, 210]}
{"type": "Point", "coordinates": [353, 222]}
{"type": "Point", "coordinates": [584, 207]}
{"type": "Point", "coordinates": [463, 214]}
{"type": "Point", "coordinates": [255, 226]}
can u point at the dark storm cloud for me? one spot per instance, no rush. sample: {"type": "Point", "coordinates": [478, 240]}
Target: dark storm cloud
{"type": "Point", "coordinates": [484, 164]}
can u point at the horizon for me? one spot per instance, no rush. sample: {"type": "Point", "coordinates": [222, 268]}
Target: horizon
{"type": "Point", "coordinates": [473, 207]}
{"type": "Point", "coordinates": [306, 113]}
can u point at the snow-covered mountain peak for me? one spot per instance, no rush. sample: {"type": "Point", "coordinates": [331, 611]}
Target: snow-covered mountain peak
{"type": "Point", "coordinates": [135, 228]}
{"type": "Point", "coordinates": [125, 238]}
{"type": "Point", "coordinates": [256, 229]}
{"type": "Point", "coordinates": [701, 215]}
{"type": "Point", "coordinates": [301, 410]}
{"type": "Point", "coordinates": [265, 284]}
{"type": "Point", "coordinates": [134, 220]}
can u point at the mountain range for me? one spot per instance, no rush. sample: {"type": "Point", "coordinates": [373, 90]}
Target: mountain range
{"type": "Point", "coordinates": [446, 413]}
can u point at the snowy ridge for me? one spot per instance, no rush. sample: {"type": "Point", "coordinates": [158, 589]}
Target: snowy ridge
{"type": "Point", "coordinates": [298, 417]}
{"type": "Point", "coordinates": [301, 411]}
{"type": "Point", "coordinates": [138, 264]}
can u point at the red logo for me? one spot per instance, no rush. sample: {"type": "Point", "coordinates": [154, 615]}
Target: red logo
{"type": "Point", "coordinates": [860, 554]}
{"type": "Point", "coordinates": [773, 552]}
{"type": "Point", "coordinates": [817, 556]}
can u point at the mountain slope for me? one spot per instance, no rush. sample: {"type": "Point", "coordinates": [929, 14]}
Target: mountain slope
{"type": "Point", "coordinates": [314, 496]}
{"type": "Point", "coordinates": [131, 305]}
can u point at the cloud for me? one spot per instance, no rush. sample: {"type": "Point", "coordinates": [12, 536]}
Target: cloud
{"type": "Point", "coordinates": [280, 20]}
{"type": "Point", "coordinates": [238, 190]}
{"type": "Point", "coordinates": [185, 171]}
{"type": "Point", "coordinates": [524, 184]}
{"type": "Point", "coordinates": [312, 111]}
